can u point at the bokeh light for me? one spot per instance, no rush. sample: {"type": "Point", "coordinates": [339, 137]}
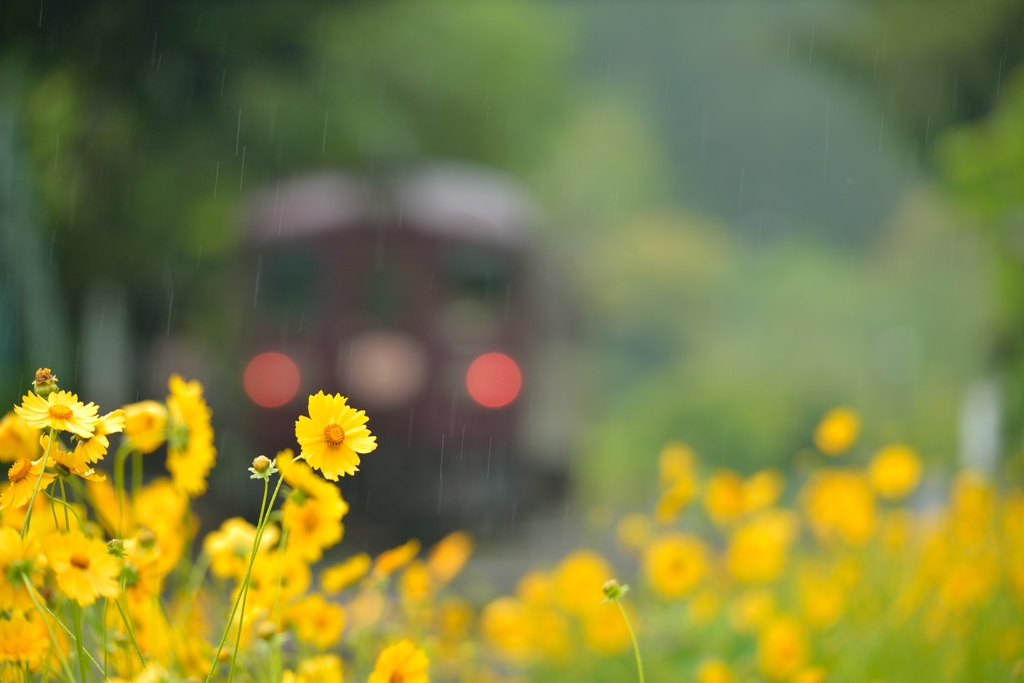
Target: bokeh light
{"type": "Point", "coordinates": [494, 380]}
{"type": "Point", "coordinates": [271, 379]}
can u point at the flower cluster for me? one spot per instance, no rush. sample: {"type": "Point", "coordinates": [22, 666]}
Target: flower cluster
{"type": "Point", "coordinates": [858, 568]}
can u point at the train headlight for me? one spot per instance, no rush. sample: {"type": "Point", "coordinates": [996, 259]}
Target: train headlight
{"type": "Point", "coordinates": [384, 369]}
{"type": "Point", "coordinates": [494, 380]}
{"type": "Point", "coordinates": [271, 379]}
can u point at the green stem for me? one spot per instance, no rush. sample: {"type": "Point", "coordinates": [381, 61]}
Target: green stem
{"type": "Point", "coordinates": [636, 646]}
{"type": "Point", "coordinates": [275, 659]}
{"type": "Point", "coordinates": [68, 631]}
{"type": "Point", "coordinates": [42, 470]}
{"type": "Point", "coordinates": [248, 574]}
{"type": "Point", "coordinates": [131, 633]}
{"type": "Point", "coordinates": [64, 499]}
{"type": "Point", "coordinates": [53, 508]}
{"type": "Point", "coordinates": [67, 506]}
{"type": "Point", "coordinates": [49, 628]}
{"type": "Point", "coordinates": [119, 456]}
{"type": "Point", "coordinates": [136, 473]}
{"type": "Point", "coordinates": [76, 616]}
{"type": "Point", "coordinates": [106, 606]}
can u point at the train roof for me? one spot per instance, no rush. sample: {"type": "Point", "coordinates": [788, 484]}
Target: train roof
{"type": "Point", "coordinates": [453, 200]}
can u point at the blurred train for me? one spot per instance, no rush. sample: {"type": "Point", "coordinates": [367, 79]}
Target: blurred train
{"type": "Point", "coordinates": [420, 296]}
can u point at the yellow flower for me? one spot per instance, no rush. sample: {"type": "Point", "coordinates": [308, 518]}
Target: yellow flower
{"type": "Point", "coordinates": [396, 558]}
{"type": "Point", "coordinates": [723, 497]}
{"type": "Point", "coordinates": [18, 558]}
{"type": "Point", "coordinates": [714, 671]}
{"type": "Point", "coordinates": [703, 608]}
{"type": "Point", "coordinates": [535, 589]}
{"type": "Point", "coordinates": [163, 508]}
{"type": "Point", "coordinates": [342, 575]}
{"type": "Point", "coordinates": [299, 476]}
{"type": "Point", "coordinates": [675, 564]}
{"type": "Point", "coordinates": [23, 639]}
{"type": "Point", "coordinates": [762, 490]}
{"type": "Point", "coordinates": [633, 531]}
{"type": "Point", "coordinates": [270, 568]}
{"type": "Point", "coordinates": [895, 471]}
{"type": "Point", "coordinates": [678, 481]}
{"type": "Point", "coordinates": [94, 448]}
{"type": "Point", "coordinates": [759, 548]}
{"type": "Point", "coordinates": [403, 662]}
{"type": "Point", "coordinates": [837, 431]}
{"type": "Point", "coordinates": [449, 556]}
{"type": "Point", "coordinates": [84, 569]}
{"type": "Point", "coordinates": [73, 461]}
{"type": "Point", "coordinates": [782, 648]}
{"type": "Point", "coordinates": [17, 440]}
{"type": "Point", "coordinates": [317, 621]}
{"type": "Point", "coordinates": [333, 435]}
{"type": "Point", "coordinates": [416, 584]}
{"type": "Point", "coordinates": [145, 425]}
{"type": "Point", "coordinates": [190, 451]}
{"type": "Point", "coordinates": [230, 546]}
{"type": "Point", "coordinates": [321, 669]}
{"type": "Point", "coordinates": [23, 475]}
{"type": "Point", "coordinates": [839, 504]}
{"type": "Point", "coordinates": [507, 626]}
{"type": "Point", "coordinates": [822, 598]}
{"type": "Point", "coordinates": [812, 674]}
{"type": "Point", "coordinates": [60, 410]}
{"type": "Point", "coordinates": [312, 526]}
{"type": "Point", "coordinates": [605, 631]}
{"type": "Point", "coordinates": [578, 581]}
{"type": "Point", "coordinates": [751, 610]}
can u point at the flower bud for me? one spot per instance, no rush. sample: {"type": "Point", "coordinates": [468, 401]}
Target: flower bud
{"type": "Point", "coordinates": [45, 382]}
{"type": "Point", "coordinates": [261, 463]}
{"type": "Point", "coordinates": [116, 547]}
{"type": "Point", "coordinates": [265, 630]}
{"type": "Point", "coordinates": [612, 590]}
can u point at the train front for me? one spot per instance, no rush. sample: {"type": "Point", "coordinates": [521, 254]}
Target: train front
{"type": "Point", "coordinates": [410, 295]}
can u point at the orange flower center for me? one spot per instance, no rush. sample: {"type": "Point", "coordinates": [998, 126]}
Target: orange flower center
{"type": "Point", "coordinates": [80, 561]}
{"type": "Point", "coordinates": [334, 435]}
{"type": "Point", "coordinates": [19, 470]}
{"type": "Point", "coordinates": [396, 677]}
{"type": "Point", "coordinates": [60, 411]}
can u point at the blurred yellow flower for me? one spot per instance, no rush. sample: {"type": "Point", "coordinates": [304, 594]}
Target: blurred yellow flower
{"type": "Point", "coordinates": [60, 410]}
{"type": "Point", "coordinates": [19, 559]}
{"type": "Point", "coordinates": [759, 548]}
{"type": "Point", "coordinates": [312, 525]}
{"type": "Point", "coordinates": [895, 471]}
{"type": "Point", "coordinates": [163, 508]}
{"type": "Point", "coordinates": [23, 475]}
{"type": "Point", "coordinates": [723, 497]}
{"type": "Point", "coordinates": [447, 558]}
{"type": "Point", "coordinates": [605, 631]}
{"type": "Point", "coordinates": [782, 648]}
{"type": "Point", "coordinates": [230, 546]}
{"type": "Point", "coordinates": [973, 508]}
{"type": "Point", "coordinates": [714, 671]}
{"type": "Point", "coordinates": [633, 531]}
{"type": "Point", "coordinates": [415, 584]}
{"type": "Point", "coordinates": [333, 435]}
{"type": "Point", "coordinates": [675, 564]}
{"type": "Point", "coordinates": [342, 575]}
{"type": "Point", "coordinates": [145, 425]}
{"type": "Point", "coordinates": [837, 431]}
{"type": "Point", "coordinates": [454, 618]}
{"type": "Point", "coordinates": [317, 621]}
{"type": "Point", "coordinates": [403, 662]}
{"type": "Point", "coordinates": [23, 639]}
{"type": "Point", "coordinates": [536, 589]}
{"type": "Point", "coordinates": [822, 598]}
{"type": "Point", "coordinates": [704, 606]}
{"type": "Point", "coordinates": [396, 558]}
{"type": "Point", "coordinates": [762, 490]}
{"type": "Point", "coordinates": [839, 505]}
{"type": "Point", "coordinates": [190, 450]}
{"type": "Point", "coordinates": [95, 447]}
{"type": "Point", "coordinates": [277, 576]}
{"type": "Point", "coordinates": [578, 579]}
{"type": "Point", "coordinates": [83, 567]}
{"type": "Point", "coordinates": [676, 464]}
{"type": "Point", "coordinates": [812, 674]}
{"type": "Point", "coordinates": [751, 610]}
{"type": "Point", "coordinates": [18, 441]}
{"type": "Point", "coordinates": [320, 669]}
{"type": "Point", "coordinates": [507, 626]}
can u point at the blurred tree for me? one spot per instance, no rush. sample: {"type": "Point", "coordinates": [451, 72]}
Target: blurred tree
{"type": "Point", "coordinates": [143, 124]}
